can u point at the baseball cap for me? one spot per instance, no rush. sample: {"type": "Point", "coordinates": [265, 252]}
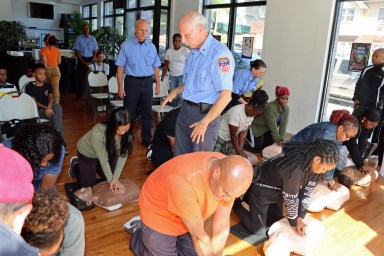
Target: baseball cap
{"type": "Point", "coordinates": [15, 177]}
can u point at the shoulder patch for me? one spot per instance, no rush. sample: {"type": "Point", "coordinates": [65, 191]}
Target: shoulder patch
{"type": "Point", "coordinates": [224, 64]}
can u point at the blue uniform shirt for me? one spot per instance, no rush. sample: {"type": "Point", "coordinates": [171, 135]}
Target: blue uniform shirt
{"type": "Point", "coordinates": [243, 81]}
{"type": "Point", "coordinates": [53, 169]}
{"type": "Point", "coordinates": [85, 45]}
{"type": "Point", "coordinates": [138, 59]}
{"type": "Point", "coordinates": [208, 71]}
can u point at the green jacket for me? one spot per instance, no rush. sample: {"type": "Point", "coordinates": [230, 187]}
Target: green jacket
{"type": "Point", "coordinates": [92, 145]}
{"type": "Point", "coordinates": [267, 121]}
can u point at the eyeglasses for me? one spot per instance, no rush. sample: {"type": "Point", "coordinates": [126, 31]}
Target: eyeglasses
{"type": "Point", "coordinates": [347, 135]}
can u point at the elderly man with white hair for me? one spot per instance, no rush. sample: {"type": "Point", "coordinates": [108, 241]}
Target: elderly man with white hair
{"type": "Point", "coordinates": [206, 88]}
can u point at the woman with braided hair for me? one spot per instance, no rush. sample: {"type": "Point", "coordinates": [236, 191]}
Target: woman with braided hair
{"type": "Point", "coordinates": [290, 178]}
{"type": "Point", "coordinates": [341, 127]}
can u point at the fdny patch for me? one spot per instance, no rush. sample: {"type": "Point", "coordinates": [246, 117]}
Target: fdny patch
{"type": "Point", "coordinates": [224, 64]}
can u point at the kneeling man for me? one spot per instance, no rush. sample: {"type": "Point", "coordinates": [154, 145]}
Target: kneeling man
{"type": "Point", "coordinates": [180, 195]}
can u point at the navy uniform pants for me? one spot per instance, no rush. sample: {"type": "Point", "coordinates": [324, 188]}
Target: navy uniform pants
{"type": "Point", "coordinates": [189, 115]}
{"type": "Point", "coordinates": [139, 92]}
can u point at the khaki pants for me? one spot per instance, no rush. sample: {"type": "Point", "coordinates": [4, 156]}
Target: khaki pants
{"type": "Point", "coordinates": [53, 78]}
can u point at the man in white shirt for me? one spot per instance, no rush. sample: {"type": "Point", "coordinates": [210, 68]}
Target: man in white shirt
{"type": "Point", "coordinates": [174, 60]}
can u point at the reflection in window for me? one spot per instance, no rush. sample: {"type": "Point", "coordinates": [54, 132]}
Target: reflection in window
{"type": "Point", "coordinates": [85, 12]}
{"type": "Point", "coordinates": [217, 2]}
{"type": "Point", "coordinates": [163, 34]}
{"type": "Point", "coordinates": [130, 23]}
{"type": "Point", "coordinates": [89, 14]}
{"type": "Point", "coordinates": [108, 8]}
{"type": "Point", "coordinates": [120, 24]}
{"type": "Point", "coordinates": [132, 4]}
{"type": "Point", "coordinates": [94, 10]}
{"type": "Point", "coordinates": [148, 16]}
{"type": "Point", "coordinates": [348, 15]}
{"type": "Point", "coordinates": [218, 23]}
{"type": "Point", "coordinates": [108, 22]}
{"type": "Point", "coordinates": [245, 1]}
{"type": "Point", "coordinates": [380, 16]}
{"type": "Point", "coordinates": [144, 3]}
{"type": "Point", "coordinates": [248, 27]}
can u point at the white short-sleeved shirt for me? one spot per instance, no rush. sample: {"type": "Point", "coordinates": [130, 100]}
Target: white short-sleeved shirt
{"type": "Point", "coordinates": [103, 67]}
{"type": "Point", "coordinates": [235, 116]}
{"type": "Point", "coordinates": [177, 59]}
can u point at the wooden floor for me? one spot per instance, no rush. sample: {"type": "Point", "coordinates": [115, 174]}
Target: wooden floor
{"type": "Point", "coordinates": [356, 229]}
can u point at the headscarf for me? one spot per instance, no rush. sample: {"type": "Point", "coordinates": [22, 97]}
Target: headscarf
{"type": "Point", "coordinates": [281, 90]}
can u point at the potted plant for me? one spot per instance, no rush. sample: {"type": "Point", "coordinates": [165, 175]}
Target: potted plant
{"type": "Point", "coordinates": [12, 35]}
{"type": "Point", "coordinates": [109, 41]}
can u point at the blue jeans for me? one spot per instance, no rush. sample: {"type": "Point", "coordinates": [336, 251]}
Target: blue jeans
{"type": "Point", "coordinates": [56, 118]}
{"type": "Point", "coordinates": [148, 242]}
{"type": "Point", "coordinates": [175, 81]}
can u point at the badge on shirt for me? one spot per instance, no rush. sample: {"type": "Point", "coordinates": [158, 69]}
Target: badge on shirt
{"type": "Point", "coordinates": [224, 64]}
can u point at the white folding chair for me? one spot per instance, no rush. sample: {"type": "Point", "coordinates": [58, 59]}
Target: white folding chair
{"type": "Point", "coordinates": [17, 107]}
{"type": "Point", "coordinates": [163, 93]}
{"type": "Point", "coordinates": [24, 80]}
{"type": "Point", "coordinates": [97, 81]}
{"type": "Point", "coordinates": [113, 90]}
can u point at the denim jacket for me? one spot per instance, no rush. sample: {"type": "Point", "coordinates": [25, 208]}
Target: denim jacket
{"type": "Point", "coordinates": [323, 130]}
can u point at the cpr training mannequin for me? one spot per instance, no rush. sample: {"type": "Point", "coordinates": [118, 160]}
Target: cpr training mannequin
{"type": "Point", "coordinates": [102, 196]}
{"type": "Point", "coordinates": [103, 151]}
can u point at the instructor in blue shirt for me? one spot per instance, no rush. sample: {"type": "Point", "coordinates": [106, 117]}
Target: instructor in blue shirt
{"type": "Point", "coordinates": [85, 47]}
{"type": "Point", "coordinates": [206, 88]}
{"type": "Point", "coordinates": [138, 59]}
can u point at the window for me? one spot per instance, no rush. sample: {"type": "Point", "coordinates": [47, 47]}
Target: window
{"type": "Point", "coordinates": [156, 12]}
{"type": "Point", "coordinates": [89, 14]}
{"type": "Point", "coordinates": [232, 20]}
{"type": "Point", "coordinates": [113, 18]}
{"type": "Point", "coordinates": [380, 16]}
{"type": "Point", "coordinates": [348, 15]}
{"type": "Point", "coordinates": [341, 81]}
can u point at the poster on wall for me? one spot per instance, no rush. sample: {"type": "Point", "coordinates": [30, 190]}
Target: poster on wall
{"type": "Point", "coordinates": [359, 56]}
{"type": "Point", "coordinates": [247, 47]}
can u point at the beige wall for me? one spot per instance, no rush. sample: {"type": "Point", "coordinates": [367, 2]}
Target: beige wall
{"type": "Point", "coordinates": [295, 48]}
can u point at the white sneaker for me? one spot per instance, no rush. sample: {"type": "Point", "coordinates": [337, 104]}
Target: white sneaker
{"type": "Point", "coordinates": [132, 225]}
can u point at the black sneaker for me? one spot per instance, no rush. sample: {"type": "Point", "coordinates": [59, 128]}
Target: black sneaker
{"type": "Point", "coordinates": [133, 225]}
{"type": "Point", "coordinates": [370, 149]}
{"type": "Point", "coordinates": [71, 170]}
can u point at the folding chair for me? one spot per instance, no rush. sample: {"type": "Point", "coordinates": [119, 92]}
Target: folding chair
{"type": "Point", "coordinates": [23, 81]}
{"type": "Point", "coordinates": [96, 81]}
{"type": "Point", "coordinates": [21, 107]}
{"type": "Point", "coordinates": [113, 90]}
{"type": "Point", "coordinates": [163, 93]}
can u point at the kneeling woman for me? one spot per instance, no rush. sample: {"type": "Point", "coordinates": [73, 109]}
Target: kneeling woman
{"type": "Point", "coordinates": [290, 178]}
{"type": "Point", "coordinates": [103, 150]}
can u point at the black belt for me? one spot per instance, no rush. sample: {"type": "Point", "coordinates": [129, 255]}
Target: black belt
{"type": "Point", "coordinates": [140, 77]}
{"type": "Point", "coordinates": [191, 103]}
{"type": "Point", "coordinates": [204, 107]}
